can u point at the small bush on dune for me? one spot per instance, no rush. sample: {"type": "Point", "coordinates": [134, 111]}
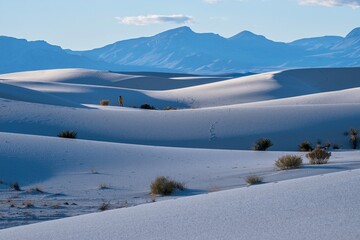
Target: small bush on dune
{"type": "Point", "coordinates": [164, 186]}
{"type": "Point", "coordinates": [67, 134]}
{"type": "Point", "coordinates": [288, 162]}
{"type": "Point", "coordinates": [262, 144]}
{"type": "Point", "coordinates": [170, 108]}
{"type": "Point", "coordinates": [147, 106]}
{"type": "Point", "coordinates": [104, 102]}
{"type": "Point", "coordinates": [318, 156]}
{"type": "Point", "coordinates": [354, 139]}
{"type": "Point", "coordinates": [104, 206]}
{"type": "Point", "coordinates": [15, 186]}
{"type": "Point", "coordinates": [336, 146]}
{"type": "Point", "coordinates": [305, 146]}
{"type": "Point", "coordinates": [252, 180]}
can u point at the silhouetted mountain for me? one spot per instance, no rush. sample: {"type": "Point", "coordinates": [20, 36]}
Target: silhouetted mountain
{"type": "Point", "coordinates": [184, 51]}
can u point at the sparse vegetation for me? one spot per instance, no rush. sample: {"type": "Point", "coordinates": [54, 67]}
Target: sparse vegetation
{"type": "Point", "coordinates": [28, 204]}
{"type": "Point", "coordinates": [305, 146]}
{"type": "Point", "coordinates": [36, 190]}
{"type": "Point", "coordinates": [104, 206]}
{"type": "Point", "coordinates": [288, 162]}
{"type": "Point", "coordinates": [67, 134]}
{"type": "Point", "coordinates": [104, 102]}
{"type": "Point", "coordinates": [253, 179]}
{"type": "Point", "coordinates": [170, 108]}
{"type": "Point", "coordinates": [147, 106]}
{"type": "Point", "coordinates": [164, 186]}
{"type": "Point", "coordinates": [262, 144]}
{"type": "Point", "coordinates": [104, 186]}
{"type": "Point", "coordinates": [336, 146]}
{"type": "Point", "coordinates": [15, 186]}
{"type": "Point", "coordinates": [354, 139]}
{"type": "Point", "coordinates": [318, 156]}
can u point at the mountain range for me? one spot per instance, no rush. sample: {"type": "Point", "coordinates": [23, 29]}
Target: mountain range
{"type": "Point", "coordinates": [184, 51]}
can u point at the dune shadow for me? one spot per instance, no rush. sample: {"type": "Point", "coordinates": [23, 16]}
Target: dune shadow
{"type": "Point", "coordinates": [189, 192]}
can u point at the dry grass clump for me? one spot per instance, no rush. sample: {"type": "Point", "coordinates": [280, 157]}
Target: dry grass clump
{"type": "Point", "coordinates": [147, 106]}
{"type": "Point", "coordinates": [262, 144]}
{"type": "Point", "coordinates": [305, 146]}
{"type": "Point", "coordinates": [104, 102]}
{"type": "Point", "coordinates": [288, 162]}
{"type": "Point", "coordinates": [15, 186]}
{"type": "Point", "coordinates": [67, 134]}
{"type": "Point", "coordinates": [103, 186]}
{"type": "Point", "coordinates": [318, 156]}
{"type": "Point", "coordinates": [165, 186]}
{"type": "Point", "coordinates": [170, 108]}
{"type": "Point", "coordinates": [104, 206]}
{"type": "Point", "coordinates": [253, 179]}
{"type": "Point", "coordinates": [354, 139]}
{"type": "Point", "coordinates": [36, 190]}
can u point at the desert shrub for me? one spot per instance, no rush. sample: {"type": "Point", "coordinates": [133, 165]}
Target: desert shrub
{"type": "Point", "coordinates": [104, 102]}
{"type": "Point", "coordinates": [36, 190]}
{"type": "Point", "coordinates": [170, 108]}
{"type": "Point", "coordinates": [305, 146]}
{"type": "Point", "coordinates": [103, 186]}
{"type": "Point", "coordinates": [147, 106]}
{"type": "Point", "coordinates": [67, 134]}
{"type": "Point", "coordinates": [318, 156]}
{"type": "Point", "coordinates": [252, 180]}
{"type": "Point", "coordinates": [354, 139]}
{"type": "Point", "coordinates": [164, 186]}
{"type": "Point", "coordinates": [336, 146]}
{"type": "Point", "coordinates": [262, 144]}
{"type": "Point", "coordinates": [28, 204]}
{"type": "Point", "coordinates": [15, 186]}
{"type": "Point", "coordinates": [104, 206]}
{"type": "Point", "coordinates": [288, 162]}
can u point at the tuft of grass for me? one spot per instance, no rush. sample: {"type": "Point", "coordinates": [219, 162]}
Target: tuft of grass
{"type": "Point", "coordinates": [103, 186]}
{"type": "Point", "coordinates": [354, 139]}
{"type": "Point", "coordinates": [336, 146]}
{"type": "Point", "coordinates": [104, 206]}
{"type": "Point", "coordinates": [262, 144]}
{"type": "Point", "coordinates": [170, 108]}
{"type": "Point", "coordinates": [15, 186]}
{"type": "Point", "coordinates": [253, 179]}
{"type": "Point", "coordinates": [67, 134]}
{"type": "Point", "coordinates": [28, 204]}
{"type": "Point", "coordinates": [318, 156]}
{"type": "Point", "coordinates": [288, 162]}
{"type": "Point", "coordinates": [147, 106]}
{"type": "Point", "coordinates": [305, 146]}
{"type": "Point", "coordinates": [36, 190]}
{"type": "Point", "coordinates": [104, 102]}
{"type": "Point", "coordinates": [165, 186]}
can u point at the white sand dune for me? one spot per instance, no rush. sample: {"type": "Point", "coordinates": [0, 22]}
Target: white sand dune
{"type": "Point", "coordinates": [320, 207]}
{"type": "Point", "coordinates": [125, 148]}
{"type": "Point", "coordinates": [330, 101]}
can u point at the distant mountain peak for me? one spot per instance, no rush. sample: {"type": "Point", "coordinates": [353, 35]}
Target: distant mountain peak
{"type": "Point", "coordinates": [178, 31]}
{"type": "Point", "coordinates": [247, 35]}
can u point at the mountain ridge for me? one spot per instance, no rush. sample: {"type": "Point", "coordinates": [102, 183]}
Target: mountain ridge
{"type": "Point", "coordinates": [185, 51]}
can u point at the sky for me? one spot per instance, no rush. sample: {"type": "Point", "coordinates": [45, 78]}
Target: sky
{"type": "Point", "coordinates": [88, 24]}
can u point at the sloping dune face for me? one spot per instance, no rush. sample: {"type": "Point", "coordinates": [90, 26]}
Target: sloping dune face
{"type": "Point", "coordinates": [310, 208]}
{"type": "Point", "coordinates": [288, 107]}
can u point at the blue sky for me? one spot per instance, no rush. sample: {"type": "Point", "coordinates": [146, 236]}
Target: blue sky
{"type": "Point", "coordinates": [87, 24]}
